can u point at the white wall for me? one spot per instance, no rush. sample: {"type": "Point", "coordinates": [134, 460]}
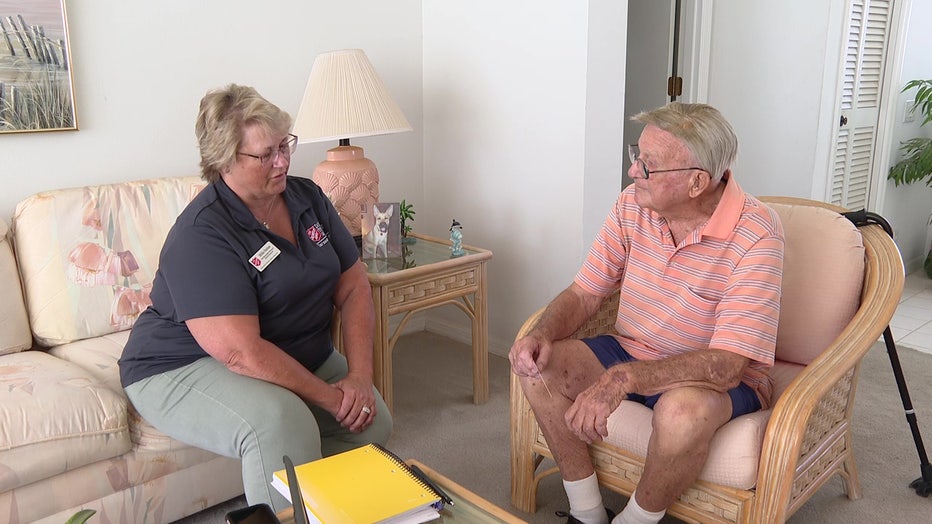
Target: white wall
{"type": "Point", "coordinates": [141, 67]}
{"type": "Point", "coordinates": [766, 71]}
{"type": "Point", "coordinates": [605, 114]}
{"type": "Point", "coordinates": [774, 72]}
{"type": "Point", "coordinates": [505, 121]}
{"type": "Point", "coordinates": [908, 207]}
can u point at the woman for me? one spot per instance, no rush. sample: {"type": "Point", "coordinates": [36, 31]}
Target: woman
{"type": "Point", "coordinates": [235, 354]}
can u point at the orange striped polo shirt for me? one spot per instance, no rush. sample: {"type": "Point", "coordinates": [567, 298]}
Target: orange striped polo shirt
{"type": "Point", "coordinates": [720, 288]}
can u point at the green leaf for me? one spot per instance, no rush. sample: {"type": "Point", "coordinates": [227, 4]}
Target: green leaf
{"type": "Point", "coordinates": [407, 211]}
{"type": "Point", "coordinates": [915, 164]}
{"type": "Point", "coordinates": [81, 516]}
{"type": "Point", "coordinates": [923, 100]}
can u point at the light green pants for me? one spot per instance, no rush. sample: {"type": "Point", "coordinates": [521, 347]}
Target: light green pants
{"type": "Point", "coordinates": [206, 405]}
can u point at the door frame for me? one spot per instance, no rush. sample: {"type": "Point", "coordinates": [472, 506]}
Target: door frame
{"type": "Point", "coordinates": [696, 24]}
{"type": "Point", "coordinates": [886, 121]}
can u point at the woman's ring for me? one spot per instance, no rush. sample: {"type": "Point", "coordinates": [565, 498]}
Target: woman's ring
{"type": "Point", "coordinates": [366, 410]}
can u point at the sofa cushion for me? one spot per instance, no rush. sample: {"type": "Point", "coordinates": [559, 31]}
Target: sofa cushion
{"type": "Point", "coordinates": [54, 417]}
{"type": "Point", "coordinates": [88, 255]}
{"type": "Point", "coordinates": [821, 289]}
{"type": "Point", "coordinates": [14, 326]}
{"type": "Point", "coordinates": [99, 357]}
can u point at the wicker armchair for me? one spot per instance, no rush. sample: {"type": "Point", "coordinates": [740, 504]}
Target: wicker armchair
{"type": "Point", "coordinates": [841, 287]}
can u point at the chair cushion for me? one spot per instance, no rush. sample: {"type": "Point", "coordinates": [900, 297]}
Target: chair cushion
{"type": "Point", "coordinates": [55, 417]}
{"type": "Point", "coordinates": [734, 453]}
{"type": "Point", "coordinates": [823, 269]}
{"type": "Point", "coordinates": [783, 373]}
{"type": "Point", "coordinates": [88, 255]}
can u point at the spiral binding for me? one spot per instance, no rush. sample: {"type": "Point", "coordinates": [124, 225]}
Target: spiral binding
{"type": "Point", "coordinates": [417, 475]}
{"type": "Point", "coordinates": [404, 467]}
{"type": "Point", "coordinates": [397, 460]}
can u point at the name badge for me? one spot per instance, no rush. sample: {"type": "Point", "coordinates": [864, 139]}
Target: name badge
{"type": "Point", "coordinates": [264, 256]}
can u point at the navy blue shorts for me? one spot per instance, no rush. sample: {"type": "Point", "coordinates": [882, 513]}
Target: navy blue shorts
{"type": "Point", "coordinates": [609, 352]}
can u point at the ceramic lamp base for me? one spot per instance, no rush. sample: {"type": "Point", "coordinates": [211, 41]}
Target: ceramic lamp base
{"type": "Point", "coordinates": [351, 181]}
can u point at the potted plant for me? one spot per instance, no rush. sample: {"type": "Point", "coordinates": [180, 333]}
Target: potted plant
{"type": "Point", "coordinates": [916, 163]}
{"type": "Point", "coordinates": [407, 216]}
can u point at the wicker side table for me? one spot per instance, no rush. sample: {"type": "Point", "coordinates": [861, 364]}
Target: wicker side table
{"type": "Point", "coordinates": [428, 276]}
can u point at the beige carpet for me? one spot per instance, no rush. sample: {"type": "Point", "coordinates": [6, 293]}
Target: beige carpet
{"type": "Point", "coordinates": [436, 423]}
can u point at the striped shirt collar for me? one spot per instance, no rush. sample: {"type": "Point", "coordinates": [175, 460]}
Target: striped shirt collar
{"type": "Point", "coordinates": [724, 219]}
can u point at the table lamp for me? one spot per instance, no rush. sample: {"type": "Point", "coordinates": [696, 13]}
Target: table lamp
{"type": "Point", "coordinates": [344, 99]}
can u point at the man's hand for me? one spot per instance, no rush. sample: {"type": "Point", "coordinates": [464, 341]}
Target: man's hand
{"type": "Point", "coordinates": [529, 355]}
{"type": "Point", "coordinates": [565, 313]}
{"type": "Point", "coordinates": [587, 418]}
{"type": "Point", "coordinates": [357, 411]}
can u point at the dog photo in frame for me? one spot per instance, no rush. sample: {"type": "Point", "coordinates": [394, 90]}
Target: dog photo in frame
{"type": "Point", "coordinates": [381, 230]}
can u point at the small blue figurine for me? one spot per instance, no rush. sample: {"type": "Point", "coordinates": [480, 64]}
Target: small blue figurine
{"type": "Point", "coordinates": [456, 237]}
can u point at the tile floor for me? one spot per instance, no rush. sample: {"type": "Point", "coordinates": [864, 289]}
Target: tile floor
{"type": "Point", "coordinates": [912, 322]}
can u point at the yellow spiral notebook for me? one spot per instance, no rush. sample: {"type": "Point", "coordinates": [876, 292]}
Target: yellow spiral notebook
{"type": "Point", "coordinates": [362, 486]}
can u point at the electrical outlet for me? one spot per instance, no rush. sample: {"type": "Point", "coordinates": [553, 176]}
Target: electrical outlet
{"type": "Point", "coordinates": [910, 114]}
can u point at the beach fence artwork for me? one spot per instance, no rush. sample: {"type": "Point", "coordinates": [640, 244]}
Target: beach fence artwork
{"type": "Point", "coordinates": [36, 85]}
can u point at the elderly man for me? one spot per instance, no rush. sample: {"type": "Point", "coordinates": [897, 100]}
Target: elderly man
{"type": "Point", "coordinates": [699, 264]}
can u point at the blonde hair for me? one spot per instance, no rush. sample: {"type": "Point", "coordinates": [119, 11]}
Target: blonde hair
{"type": "Point", "coordinates": [708, 136]}
{"type": "Point", "coordinates": [224, 115]}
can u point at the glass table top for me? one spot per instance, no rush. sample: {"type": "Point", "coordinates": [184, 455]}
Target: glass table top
{"type": "Point", "coordinates": [424, 251]}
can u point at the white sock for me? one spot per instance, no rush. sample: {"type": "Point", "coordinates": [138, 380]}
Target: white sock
{"type": "Point", "coordinates": [585, 500]}
{"type": "Point", "coordinates": [635, 514]}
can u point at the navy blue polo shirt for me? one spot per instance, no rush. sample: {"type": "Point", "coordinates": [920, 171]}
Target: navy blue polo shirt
{"type": "Point", "coordinates": [208, 267]}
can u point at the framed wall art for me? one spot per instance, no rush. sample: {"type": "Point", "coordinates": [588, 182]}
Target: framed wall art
{"type": "Point", "coordinates": [36, 84]}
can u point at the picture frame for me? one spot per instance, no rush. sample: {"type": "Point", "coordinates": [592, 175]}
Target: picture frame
{"type": "Point", "coordinates": [36, 82]}
{"type": "Point", "coordinates": [381, 230]}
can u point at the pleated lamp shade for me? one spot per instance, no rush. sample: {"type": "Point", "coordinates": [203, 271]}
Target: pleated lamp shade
{"type": "Point", "coordinates": [344, 99]}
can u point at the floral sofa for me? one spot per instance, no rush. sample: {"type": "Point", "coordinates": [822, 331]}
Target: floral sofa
{"type": "Point", "coordinates": [76, 266]}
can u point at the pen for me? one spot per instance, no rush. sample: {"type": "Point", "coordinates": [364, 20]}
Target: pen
{"type": "Point", "coordinates": [426, 480]}
{"type": "Point", "coordinates": [541, 377]}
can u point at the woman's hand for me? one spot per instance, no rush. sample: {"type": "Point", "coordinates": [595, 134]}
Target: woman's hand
{"type": "Point", "coordinates": [235, 341]}
{"type": "Point", "coordinates": [357, 411]}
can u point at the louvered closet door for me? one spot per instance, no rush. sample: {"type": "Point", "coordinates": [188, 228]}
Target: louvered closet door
{"type": "Point", "coordinates": [865, 52]}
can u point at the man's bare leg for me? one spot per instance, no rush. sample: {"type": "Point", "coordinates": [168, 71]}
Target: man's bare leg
{"type": "Point", "coordinates": [684, 423]}
{"type": "Point", "coordinates": [572, 368]}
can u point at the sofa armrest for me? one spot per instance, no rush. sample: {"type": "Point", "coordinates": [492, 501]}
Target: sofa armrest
{"type": "Point", "coordinates": [14, 324]}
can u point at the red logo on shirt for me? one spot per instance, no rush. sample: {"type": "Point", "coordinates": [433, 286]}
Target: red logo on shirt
{"type": "Point", "coordinates": [316, 233]}
{"type": "Point", "coordinates": [256, 261]}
